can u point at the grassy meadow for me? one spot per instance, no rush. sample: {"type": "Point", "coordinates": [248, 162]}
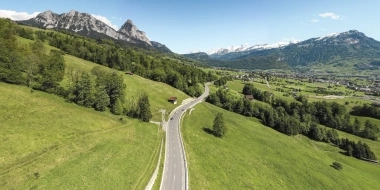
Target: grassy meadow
{"type": "Point", "coordinates": [252, 156]}
{"type": "Point", "coordinates": [47, 143]}
{"type": "Point", "coordinates": [237, 86]}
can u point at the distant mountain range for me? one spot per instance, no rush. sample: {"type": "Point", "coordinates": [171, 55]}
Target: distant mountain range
{"type": "Point", "coordinates": [87, 25]}
{"type": "Point", "coordinates": [324, 49]}
{"type": "Point", "coordinates": [220, 52]}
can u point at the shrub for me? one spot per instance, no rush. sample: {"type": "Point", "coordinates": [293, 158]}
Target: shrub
{"type": "Point", "coordinates": [337, 165]}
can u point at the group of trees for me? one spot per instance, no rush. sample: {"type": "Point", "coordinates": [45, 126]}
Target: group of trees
{"type": "Point", "coordinates": [102, 89]}
{"type": "Point", "coordinates": [33, 66]}
{"type": "Point", "coordinates": [29, 64]}
{"type": "Point", "coordinates": [222, 80]}
{"type": "Point", "coordinates": [99, 89]}
{"type": "Point", "coordinates": [298, 117]}
{"type": "Point", "coordinates": [366, 110]}
{"type": "Point", "coordinates": [149, 64]}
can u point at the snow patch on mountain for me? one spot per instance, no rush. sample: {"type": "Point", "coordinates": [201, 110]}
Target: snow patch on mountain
{"type": "Point", "coordinates": [245, 47]}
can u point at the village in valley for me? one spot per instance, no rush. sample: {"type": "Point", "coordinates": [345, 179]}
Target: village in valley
{"type": "Point", "coordinates": [315, 85]}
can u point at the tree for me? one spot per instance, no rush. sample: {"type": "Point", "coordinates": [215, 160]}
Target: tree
{"type": "Point", "coordinates": [144, 108]}
{"type": "Point", "coordinates": [115, 87]}
{"type": "Point", "coordinates": [370, 130]}
{"type": "Point", "coordinates": [10, 67]}
{"type": "Point", "coordinates": [117, 107]}
{"type": "Point", "coordinates": [102, 100]}
{"type": "Point", "coordinates": [84, 90]}
{"type": "Point", "coordinates": [51, 70]}
{"type": "Point", "coordinates": [337, 165]}
{"type": "Point", "coordinates": [356, 127]}
{"type": "Point", "coordinates": [219, 127]}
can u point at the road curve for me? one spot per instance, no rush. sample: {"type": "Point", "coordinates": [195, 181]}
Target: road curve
{"type": "Point", "coordinates": [175, 168]}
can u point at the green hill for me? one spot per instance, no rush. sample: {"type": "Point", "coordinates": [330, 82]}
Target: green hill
{"type": "Point", "coordinates": [253, 156]}
{"type": "Point", "coordinates": [47, 143]}
{"type": "Point", "coordinates": [158, 92]}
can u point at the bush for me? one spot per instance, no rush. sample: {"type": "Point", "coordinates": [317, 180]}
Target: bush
{"type": "Point", "coordinates": [337, 165]}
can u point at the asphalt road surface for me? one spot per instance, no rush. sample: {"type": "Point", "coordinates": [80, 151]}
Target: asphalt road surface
{"type": "Point", "coordinates": [174, 176]}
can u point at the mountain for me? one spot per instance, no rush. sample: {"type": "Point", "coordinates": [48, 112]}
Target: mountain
{"type": "Point", "coordinates": [197, 55]}
{"type": "Point", "coordinates": [342, 46]}
{"type": "Point", "coordinates": [161, 47]}
{"type": "Point", "coordinates": [87, 25]}
{"type": "Point", "coordinates": [236, 51]}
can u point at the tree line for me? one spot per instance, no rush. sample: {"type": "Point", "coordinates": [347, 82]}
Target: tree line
{"type": "Point", "coordinates": [366, 110]}
{"type": "Point", "coordinates": [102, 89]}
{"type": "Point", "coordinates": [148, 64]}
{"type": "Point", "coordinates": [291, 119]}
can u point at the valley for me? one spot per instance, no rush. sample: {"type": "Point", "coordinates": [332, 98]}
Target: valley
{"type": "Point", "coordinates": [86, 104]}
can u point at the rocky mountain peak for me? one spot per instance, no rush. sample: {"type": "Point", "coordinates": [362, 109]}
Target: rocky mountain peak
{"type": "Point", "coordinates": [72, 12]}
{"type": "Point", "coordinates": [129, 29]}
{"type": "Point", "coordinates": [85, 24]}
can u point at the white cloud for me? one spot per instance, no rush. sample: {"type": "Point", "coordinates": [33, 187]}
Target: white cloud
{"type": "Point", "coordinates": [13, 15]}
{"type": "Point", "coordinates": [314, 20]}
{"type": "Point", "coordinates": [330, 15]}
{"type": "Point", "coordinates": [106, 21]}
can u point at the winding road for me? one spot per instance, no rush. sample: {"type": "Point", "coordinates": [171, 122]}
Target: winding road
{"type": "Point", "coordinates": [175, 175]}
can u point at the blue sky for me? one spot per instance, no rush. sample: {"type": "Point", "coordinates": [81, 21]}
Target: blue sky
{"type": "Point", "coordinates": [185, 26]}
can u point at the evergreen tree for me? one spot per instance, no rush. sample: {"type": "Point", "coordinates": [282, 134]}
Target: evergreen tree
{"type": "Point", "coordinates": [356, 127]}
{"type": "Point", "coordinates": [144, 108]}
{"type": "Point", "coordinates": [219, 127]}
{"type": "Point", "coordinates": [85, 90]}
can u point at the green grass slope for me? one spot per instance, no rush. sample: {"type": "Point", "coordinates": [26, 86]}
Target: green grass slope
{"type": "Point", "coordinates": [158, 92]}
{"type": "Point", "coordinates": [252, 156]}
{"type": "Point", "coordinates": [70, 146]}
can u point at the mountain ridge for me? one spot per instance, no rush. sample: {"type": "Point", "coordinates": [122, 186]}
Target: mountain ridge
{"type": "Point", "coordinates": [346, 45]}
{"type": "Point", "coordinates": [88, 25]}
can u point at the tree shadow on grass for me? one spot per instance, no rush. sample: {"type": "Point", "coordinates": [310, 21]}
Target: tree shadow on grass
{"type": "Point", "coordinates": [334, 167]}
{"type": "Point", "coordinates": [209, 131]}
{"type": "Point", "coordinates": [344, 153]}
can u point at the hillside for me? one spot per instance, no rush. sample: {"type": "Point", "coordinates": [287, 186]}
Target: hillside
{"type": "Point", "coordinates": [135, 84]}
{"type": "Point", "coordinates": [47, 143]}
{"type": "Point", "coordinates": [253, 156]}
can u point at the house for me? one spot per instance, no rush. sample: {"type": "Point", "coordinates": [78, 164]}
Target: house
{"type": "Point", "coordinates": [173, 100]}
{"type": "Point", "coordinates": [249, 97]}
{"type": "Point", "coordinates": [129, 73]}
